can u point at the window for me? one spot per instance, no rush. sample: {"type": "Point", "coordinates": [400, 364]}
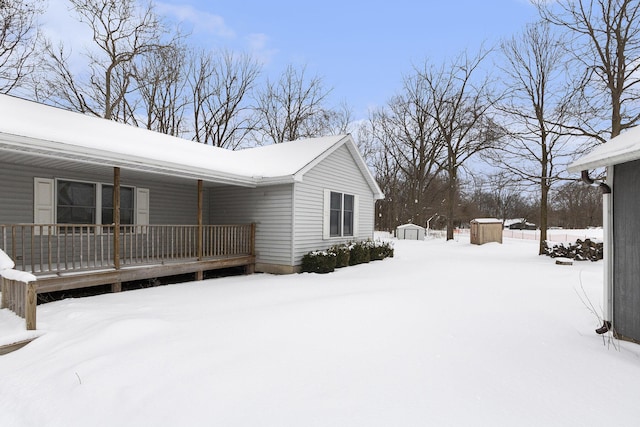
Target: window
{"type": "Point", "coordinates": [340, 214]}
{"type": "Point", "coordinates": [336, 214]}
{"type": "Point", "coordinates": [126, 205]}
{"type": "Point", "coordinates": [81, 203]}
{"type": "Point", "coordinates": [347, 215]}
{"type": "Point", "coordinates": [76, 203]}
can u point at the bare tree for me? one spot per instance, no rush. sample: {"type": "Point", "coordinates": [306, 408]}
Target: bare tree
{"type": "Point", "coordinates": [220, 86]}
{"type": "Point", "coordinates": [606, 46]}
{"type": "Point", "coordinates": [161, 81]}
{"type": "Point", "coordinates": [576, 205]}
{"type": "Point", "coordinates": [292, 107]}
{"type": "Point", "coordinates": [18, 35]}
{"type": "Point", "coordinates": [497, 195]}
{"type": "Point", "coordinates": [409, 136]}
{"type": "Point", "coordinates": [536, 148]}
{"type": "Point", "coordinates": [459, 107]}
{"type": "Point", "coordinates": [122, 32]}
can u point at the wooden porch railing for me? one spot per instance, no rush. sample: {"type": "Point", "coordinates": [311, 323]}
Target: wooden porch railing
{"type": "Point", "coordinates": [55, 248]}
{"type": "Point", "coordinates": [20, 298]}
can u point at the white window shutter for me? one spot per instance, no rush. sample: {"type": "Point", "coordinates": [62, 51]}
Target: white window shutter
{"type": "Point", "coordinates": [43, 202]}
{"type": "Point", "coordinates": [326, 215]}
{"type": "Point", "coordinates": [142, 206]}
{"type": "Point", "coordinates": [356, 215]}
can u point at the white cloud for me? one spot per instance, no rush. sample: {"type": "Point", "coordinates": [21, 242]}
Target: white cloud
{"type": "Point", "coordinates": [201, 22]}
{"type": "Point", "coordinates": [258, 46]}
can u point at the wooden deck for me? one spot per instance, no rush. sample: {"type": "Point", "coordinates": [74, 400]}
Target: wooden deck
{"type": "Point", "coordinates": [73, 256]}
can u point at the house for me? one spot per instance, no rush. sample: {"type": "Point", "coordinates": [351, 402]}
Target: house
{"type": "Point", "coordinates": [621, 204]}
{"type": "Point", "coordinates": [86, 201]}
{"type": "Point", "coordinates": [519, 224]}
{"type": "Point", "coordinates": [410, 232]}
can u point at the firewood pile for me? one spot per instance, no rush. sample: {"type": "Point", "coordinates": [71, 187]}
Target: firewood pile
{"type": "Point", "coordinates": [581, 250]}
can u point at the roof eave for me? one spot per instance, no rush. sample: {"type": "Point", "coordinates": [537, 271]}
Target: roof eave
{"type": "Point", "coordinates": [58, 150]}
{"type": "Point", "coordinates": [591, 162]}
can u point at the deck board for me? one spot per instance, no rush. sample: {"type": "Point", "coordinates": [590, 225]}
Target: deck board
{"type": "Point", "coordinates": [85, 279]}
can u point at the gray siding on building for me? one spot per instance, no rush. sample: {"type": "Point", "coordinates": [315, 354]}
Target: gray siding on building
{"type": "Point", "coordinates": [626, 250]}
{"type": "Point", "coordinates": [338, 172]}
{"type": "Point", "coordinates": [270, 208]}
{"type": "Point", "coordinates": [169, 203]}
{"type": "Point", "coordinates": [16, 194]}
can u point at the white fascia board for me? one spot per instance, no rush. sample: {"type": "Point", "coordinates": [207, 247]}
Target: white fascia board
{"type": "Point", "coordinates": [57, 150]}
{"type": "Point", "coordinates": [592, 162]}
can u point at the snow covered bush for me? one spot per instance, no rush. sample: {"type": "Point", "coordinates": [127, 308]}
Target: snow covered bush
{"type": "Point", "coordinates": [319, 262]}
{"type": "Point", "coordinates": [342, 253]}
{"type": "Point", "coordinates": [380, 250]}
{"type": "Point", "coordinates": [360, 253]}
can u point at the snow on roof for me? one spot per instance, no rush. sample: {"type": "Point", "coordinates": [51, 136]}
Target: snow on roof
{"type": "Point", "coordinates": [410, 226]}
{"type": "Point", "coordinates": [284, 159]}
{"type": "Point", "coordinates": [621, 149]}
{"type": "Point", "coordinates": [487, 220]}
{"type": "Point", "coordinates": [48, 131]}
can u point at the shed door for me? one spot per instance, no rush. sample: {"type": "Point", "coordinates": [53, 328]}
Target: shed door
{"type": "Point", "coordinates": [626, 250]}
{"type": "Point", "coordinates": [411, 234]}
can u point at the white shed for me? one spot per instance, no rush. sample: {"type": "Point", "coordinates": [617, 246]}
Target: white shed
{"type": "Point", "coordinates": [410, 232]}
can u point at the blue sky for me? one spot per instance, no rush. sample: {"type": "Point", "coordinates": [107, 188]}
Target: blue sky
{"type": "Point", "coordinates": [360, 49]}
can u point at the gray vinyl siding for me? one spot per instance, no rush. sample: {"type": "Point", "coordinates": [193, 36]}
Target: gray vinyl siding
{"type": "Point", "coordinates": [16, 194]}
{"type": "Point", "coordinates": [169, 203]}
{"type": "Point", "coordinates": [626, 232]}
{"type": "Point", "coordinates": [338, 172]}
{"type": "Point", "coordinates": [270, 208]}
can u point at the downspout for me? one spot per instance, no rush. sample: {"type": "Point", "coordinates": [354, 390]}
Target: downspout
{"type": "Point", "coordinates": [590, 181]}
{"type": "Point", "coordinates": [607, 225]}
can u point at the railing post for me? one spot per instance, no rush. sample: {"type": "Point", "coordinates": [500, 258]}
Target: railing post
{"type": "Point", "coordinates": [4, 288]}
{"type": "Point", "coordinates": [31, 302]}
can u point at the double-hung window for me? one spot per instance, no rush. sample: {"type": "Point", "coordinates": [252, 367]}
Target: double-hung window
{"type": "Point", "coordinates": [76, 203]}
{"type": "Point", "coordinates": [340, 214]}
{"type": "Point", "coordinates": [91, 203]}
{"type": "Point", "coordinates": [65, 201]}
{"type": "Point", "coordinates": [127, 211]}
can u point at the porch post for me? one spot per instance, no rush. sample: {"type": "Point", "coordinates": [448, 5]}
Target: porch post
{"type": "Point", "coordinates": [199, 274]}
{"type": "Point", "coordinates": [116, 287]}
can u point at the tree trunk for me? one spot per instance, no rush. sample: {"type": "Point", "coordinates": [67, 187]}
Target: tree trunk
{"type": "Point", "coordinates": [544, 197]}
{"type": "Point", "coordinates": [451, 202]}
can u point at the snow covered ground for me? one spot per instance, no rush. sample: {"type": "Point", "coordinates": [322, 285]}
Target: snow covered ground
{"type": "Point", "coordinates": [443, 334]}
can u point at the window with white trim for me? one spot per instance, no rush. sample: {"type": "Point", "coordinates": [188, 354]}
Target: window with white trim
{"type": "Point", "coordinates": [340, 214]}
{"type": "Point", "coordinates": [75, 202]}
{"type": "Point", "coordinates": [80, 202]}
{"type": "Point", "coordinates": [127, 201]}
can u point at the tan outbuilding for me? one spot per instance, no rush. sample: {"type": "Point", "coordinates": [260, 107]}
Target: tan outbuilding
{"type": "Point", "coordinates": [486, 230]}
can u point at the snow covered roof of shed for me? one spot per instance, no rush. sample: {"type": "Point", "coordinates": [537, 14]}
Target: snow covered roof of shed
{"type": "Point", "coordinates": [410, 226]}
{"type": "Point", "coordinates": [621, 149]}
{"type": "Point", "coordinates": [487, 221]}
{"type": "Point", "coordinates": [42, 130]}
